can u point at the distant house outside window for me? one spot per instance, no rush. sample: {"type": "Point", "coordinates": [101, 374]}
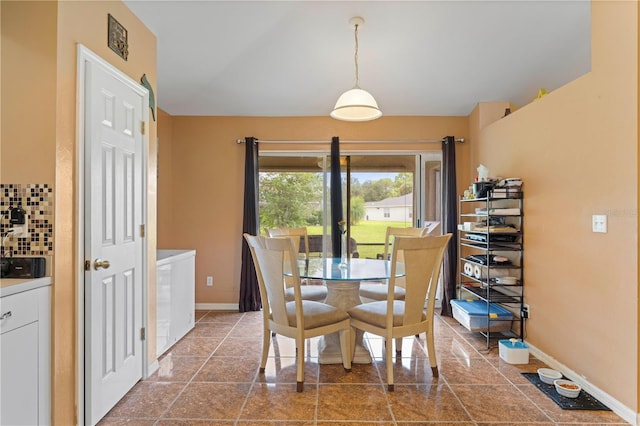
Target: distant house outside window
{"type": "Point", "coordinates": [387, 212]}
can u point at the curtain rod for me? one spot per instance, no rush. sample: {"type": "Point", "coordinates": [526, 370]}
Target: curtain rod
{"type": "Point", "coordinates": [459, 140]}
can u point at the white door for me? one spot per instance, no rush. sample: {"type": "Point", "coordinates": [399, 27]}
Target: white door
{"type": "Point", "coordinates": [114, 110]}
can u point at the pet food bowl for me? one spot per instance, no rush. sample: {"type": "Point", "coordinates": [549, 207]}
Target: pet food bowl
{"type": "Point", "coordinates": [547, 375]}
{"type": "Point", "coordinates": [567, 388]}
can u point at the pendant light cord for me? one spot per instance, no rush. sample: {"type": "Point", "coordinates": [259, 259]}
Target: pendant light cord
{"type": "Point", "coordinates": [355, 58]}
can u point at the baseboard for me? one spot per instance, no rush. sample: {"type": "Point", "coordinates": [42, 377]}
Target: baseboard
{"type": "Point", "coordinates": [616, 406]}
{"type": "Point", "coordinates": [152, 368]}
{"type": "Point", "coordinates": [217, 307]}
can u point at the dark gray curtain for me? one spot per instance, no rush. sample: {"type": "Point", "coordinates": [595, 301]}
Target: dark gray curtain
{"type": "Point", "coordinates": [249, 290]}
{"type": "Point", "coordinates": [336, 198]}
{"type": "Point", "coordinates": [449, 222]}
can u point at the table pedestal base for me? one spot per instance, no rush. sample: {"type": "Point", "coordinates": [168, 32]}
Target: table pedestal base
{"type": "Point", "coordinates": [330, 353]}
{"type": "Point", "coordinates": [343, 295]}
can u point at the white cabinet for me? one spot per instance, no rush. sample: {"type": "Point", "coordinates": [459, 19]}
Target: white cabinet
{"type": "Point", "coordinates": [175, 296]}
{"type": "Point", "coordinates": [25, 394]}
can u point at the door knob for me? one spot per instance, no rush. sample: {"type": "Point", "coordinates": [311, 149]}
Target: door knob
{"type": "Point", "coordinates": [99, 263]}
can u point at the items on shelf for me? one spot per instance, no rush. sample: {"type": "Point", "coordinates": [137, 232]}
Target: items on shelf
{"type": "Point", "coordinates": [491, 259]}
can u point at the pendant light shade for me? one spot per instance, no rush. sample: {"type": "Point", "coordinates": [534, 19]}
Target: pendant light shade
{"type": "Point", "coordinates": [356, 104]}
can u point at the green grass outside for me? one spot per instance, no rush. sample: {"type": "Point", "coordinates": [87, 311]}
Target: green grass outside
{"type": "Point", "coordinates": [367, 231]}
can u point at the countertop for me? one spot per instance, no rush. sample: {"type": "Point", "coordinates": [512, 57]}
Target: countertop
{"type": "Point", "coordinates": [9, 286]}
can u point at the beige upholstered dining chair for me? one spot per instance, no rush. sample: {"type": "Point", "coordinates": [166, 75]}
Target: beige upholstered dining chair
{"type": "Point", "coordinates": [314, 290]}
{"type": "Point", "coordinates": [372, 291]}
{"type": "Point", "coordinates": [298, 319]}
{"type": "Point", "coordinates": [395, 319]}
{"type": "Point", "coordinates": [299, 235]}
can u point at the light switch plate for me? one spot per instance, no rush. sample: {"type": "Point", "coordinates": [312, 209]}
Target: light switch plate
{"type": "Point", "coordinates": [599, 223]}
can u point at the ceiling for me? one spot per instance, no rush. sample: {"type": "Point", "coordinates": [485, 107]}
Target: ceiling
{"type": "Point", "coordinates": [294, 58]}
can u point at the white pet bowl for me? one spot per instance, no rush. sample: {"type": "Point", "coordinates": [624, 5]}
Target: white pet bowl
{"type": "Point", "coordinates": [547, 375]}
{"type": "Point", "coordinates": [567, 388]}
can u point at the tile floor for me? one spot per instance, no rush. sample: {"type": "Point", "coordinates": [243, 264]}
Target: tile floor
{"type": "Point", "coordinates": [211, 377]}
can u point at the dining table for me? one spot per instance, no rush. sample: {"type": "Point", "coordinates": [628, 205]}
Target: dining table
{"type": "Point", "coordinates": [342, 278]}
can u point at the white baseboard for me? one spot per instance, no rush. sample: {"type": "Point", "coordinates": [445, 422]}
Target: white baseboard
{"type": "Point", "coordinates": [616, 406]}
{"type": "Point", "coordinates": [217, 307]}
{"type": "Point", "coordinates": [152, 368]}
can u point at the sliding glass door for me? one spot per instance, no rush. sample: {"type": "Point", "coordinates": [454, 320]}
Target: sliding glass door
{"type": "Point", "coordinates": [379, 190]}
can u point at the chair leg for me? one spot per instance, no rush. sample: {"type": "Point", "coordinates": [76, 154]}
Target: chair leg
{"type": "Point", "coordinates": [352, 343]}
{"type": "Point", "coordinates": [299, 364]}
{"type": "Point", "coordinates": [345, 348]}
{"type": "Point", "coordinates": [431, 353]}
{"type": "Point", "coordinates": [389, 350]}
{"type": "Point", "coordinates": [266, 343]}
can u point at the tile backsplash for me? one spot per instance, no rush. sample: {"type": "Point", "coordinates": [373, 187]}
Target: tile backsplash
{"type": "Point", "coordinates": [37, 200]}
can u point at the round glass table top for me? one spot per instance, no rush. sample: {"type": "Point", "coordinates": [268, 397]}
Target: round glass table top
{"type": "Point", "coordinates": [355, 269]}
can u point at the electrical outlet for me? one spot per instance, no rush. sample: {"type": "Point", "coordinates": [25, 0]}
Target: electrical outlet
{"type": "Point", "coordinates": [526, 311]}
{"type": "Point", "coordinates": [20, 230]}
{"type": "Point", "coordinates": [599, 223]}
{"type": "Point", "coordinates": [19, 222]}
{"type": "Point", "coordinates": [209, 281]}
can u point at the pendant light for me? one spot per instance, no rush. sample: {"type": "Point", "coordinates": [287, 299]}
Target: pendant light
{"type": "Point", "coordinates": [356, 104]}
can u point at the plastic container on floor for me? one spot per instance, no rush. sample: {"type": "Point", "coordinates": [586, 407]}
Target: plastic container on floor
{"type": "Point", "coordinates": [514, 351]}
{"type": "Point", "coordinates": [473, 315]}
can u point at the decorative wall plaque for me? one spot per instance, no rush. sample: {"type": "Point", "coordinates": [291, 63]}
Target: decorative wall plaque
{"type": "Point", "coordinates": [117, 38]}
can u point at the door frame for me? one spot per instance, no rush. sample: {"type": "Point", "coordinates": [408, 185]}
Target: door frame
{"type": "Point", "coordinates": [84, 54]}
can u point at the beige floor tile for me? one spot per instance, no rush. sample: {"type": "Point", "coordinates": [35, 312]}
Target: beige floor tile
{"type": "Point", "coordinates": [210, 329]}
{"type": "Point", "coordinates": [177, 368]}
{"type": "Point", "coordinates": [493, 403]}
{"type": "Point", "coordinates": [353, 402]}
{"type": "Point", "coordinates": [407, 371]}
{"type": "Point", "coordinates": [229, 369]}
{"type": "Point", "coordinates": [232, 346]}
{"type": "Point", "coordinates": [276, 423]}
{"type": "Point", "coordinates": [284, 370]}
{"type": "Point", "coordinates": [360, 373]}
{"type": "Point", "coordinates": [209, 401]}
{"type": "Point", "coordinates": [109, 421]}
{"type": "Point", "coordinates": [146, 400]}
{"type": "Point", "coordinates": [280, 402]}
{"type": "Point", "coordinates": [175, 422]}
{"type": "Point", "coordinates": [470, 371]}
{"type": "Point", "coordinates": [248, 330]}
{"type": "Point", "coordinates": [221, 317]}
{"type": "Point", "coordinates": [433, 402]}
{"type": "Point", "coordinates": [195, 346]}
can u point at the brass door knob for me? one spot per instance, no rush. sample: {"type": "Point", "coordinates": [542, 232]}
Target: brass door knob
{"type": "Point", "coordinates": [99, 263]}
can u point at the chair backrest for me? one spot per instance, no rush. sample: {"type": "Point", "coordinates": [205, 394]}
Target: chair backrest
{"type": "Point", "coordinates": [422, 263]}
{"type": "Point", "coordinates": [393, 232]}
{"type": "Point", "coordinates": [271, 256]}
{"type": "Point", "coordinates": [300, 236]}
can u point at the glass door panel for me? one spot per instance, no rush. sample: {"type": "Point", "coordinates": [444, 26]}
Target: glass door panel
{"type": "Point", "coordinates": [378, 190]}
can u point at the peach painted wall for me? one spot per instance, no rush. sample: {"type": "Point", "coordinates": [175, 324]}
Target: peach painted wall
{"type": "Point", "coordinates": [39, 41]}
{"type": "Point", "coordinates": [576, 150]}
{"type": "Point", "coordinates": [208, 179]}
{"type": "Point", "coordinates": [29, 73]}
{"type": "Point", "coordinates": [166, 206]}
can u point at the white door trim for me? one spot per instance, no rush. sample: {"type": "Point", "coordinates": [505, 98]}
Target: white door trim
{"type": "Point", "coordinates": [84, 55]}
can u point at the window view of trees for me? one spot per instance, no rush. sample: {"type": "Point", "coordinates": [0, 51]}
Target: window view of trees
{"type": "Point", "coordinates": [290, 199]}
{"type": "Point", "coordinates": [380, 189]}
{"type": "Point", "coordinates": [294, 199]}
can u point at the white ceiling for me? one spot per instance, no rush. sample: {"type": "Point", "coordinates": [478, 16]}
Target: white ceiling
{"type": "Point", "coordinates": [294, 58]}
